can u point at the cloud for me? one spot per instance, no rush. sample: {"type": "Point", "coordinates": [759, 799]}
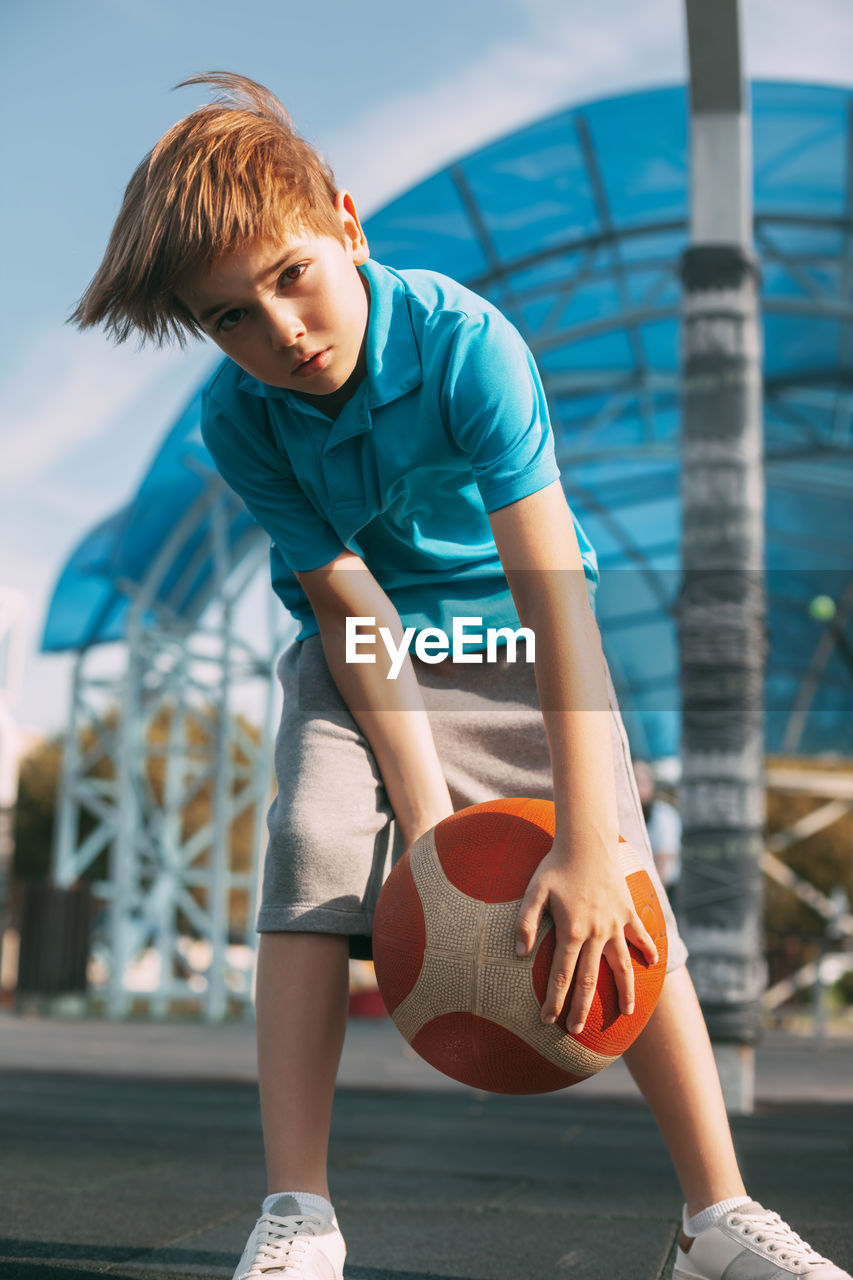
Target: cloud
{"type": "Point", "coordinates": [789, 40]}
{"type": "Point", "coordinates": [67, 390]}
{"type": "Point", "coordinates": [569, 53]}
{"type": "Point", "coordinates": [79, 417]}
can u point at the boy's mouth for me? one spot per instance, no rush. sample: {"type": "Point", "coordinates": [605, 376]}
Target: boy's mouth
{"type": "Point", "coordinates": [314, 364]}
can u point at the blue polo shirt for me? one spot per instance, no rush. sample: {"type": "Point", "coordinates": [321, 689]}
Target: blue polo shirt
{"type": "Point", "coordinates": [449, 424]}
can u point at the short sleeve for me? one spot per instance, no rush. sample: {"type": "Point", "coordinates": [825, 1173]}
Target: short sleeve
{"type": "Point", "coordinates": [261, 475]}
{"type": "Point", "coordinates": [494, 403]}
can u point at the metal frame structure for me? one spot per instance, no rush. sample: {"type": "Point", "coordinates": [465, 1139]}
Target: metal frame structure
{"type": "Point", "coordinates": [722, 605]}
{"type": "Point", "coordinates": [133, 788]}
{"type": "Point", "coordinates": [616, 412]}
{"type": "Point", "coordinates": [629, 410]}
{"type": "Point", "coordinates": [595, 289]}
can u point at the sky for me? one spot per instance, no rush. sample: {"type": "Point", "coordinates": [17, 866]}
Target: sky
{"type": "Point", "coordinates": [388, 90]}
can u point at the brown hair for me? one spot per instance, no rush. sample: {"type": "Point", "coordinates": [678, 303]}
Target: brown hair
{"type": "Point", "coordinates": [229, 173]}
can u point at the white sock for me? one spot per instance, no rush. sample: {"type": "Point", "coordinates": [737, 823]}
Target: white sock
{"type": "Point", "coordinates": [701, 1221]}
{"type": "Point", "coordinates": [307, 1201]}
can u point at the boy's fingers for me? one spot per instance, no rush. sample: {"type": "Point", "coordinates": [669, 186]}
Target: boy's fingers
{"type": "Point", "coordinates": [586, 979]}
{"type": "Point", "coordinates": [563, 968]}
{"type": "Point", "coordinates": [527, 921]}
{"type": "Point", "coordinates": [636, 932]}
{"type": "Point", "coordinates": [618, 956]}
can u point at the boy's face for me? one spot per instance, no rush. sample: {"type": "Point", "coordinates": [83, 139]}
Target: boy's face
{"type": "Point", "coordinates": [292, 313]}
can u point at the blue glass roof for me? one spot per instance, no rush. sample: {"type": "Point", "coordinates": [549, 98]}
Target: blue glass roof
{"type": "Point", "coordinates": [574, 226]}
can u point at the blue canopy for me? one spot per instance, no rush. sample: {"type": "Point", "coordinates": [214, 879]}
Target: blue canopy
{"type": "Point", "coordinates": [574, 227]}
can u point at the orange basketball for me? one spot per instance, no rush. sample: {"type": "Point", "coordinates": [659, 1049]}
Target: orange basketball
{"type": "Point", "coordinates": [444, 950]}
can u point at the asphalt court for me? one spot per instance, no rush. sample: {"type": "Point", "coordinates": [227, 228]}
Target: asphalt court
{"type": "Point", "coordinates": [140, 1177]}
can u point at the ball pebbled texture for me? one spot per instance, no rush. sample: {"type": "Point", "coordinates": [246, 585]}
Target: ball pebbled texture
{"type": "Point", "coordinates": [444, 951]}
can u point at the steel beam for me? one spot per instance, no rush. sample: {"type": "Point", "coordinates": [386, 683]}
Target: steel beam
{"type": "Point", "coordinates": [721, 609]}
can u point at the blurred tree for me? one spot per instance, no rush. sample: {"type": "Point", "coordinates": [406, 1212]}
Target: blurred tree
{"type": "Point", "coordinates": [793, 931]}
{"type": "Point", "coordinates": [35, 811]}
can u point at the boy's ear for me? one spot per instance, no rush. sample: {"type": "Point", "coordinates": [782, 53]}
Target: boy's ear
{"type": "Point", "coordinates": [354, 237]}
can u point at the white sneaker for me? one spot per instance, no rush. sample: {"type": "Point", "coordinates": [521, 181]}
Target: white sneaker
{"type": "Point", "coordinates": [287, 1242]}
{"type": "Point", "coordinates": [750, 1243]}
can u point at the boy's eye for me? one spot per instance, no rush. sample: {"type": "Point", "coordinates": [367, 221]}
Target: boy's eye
{"type": "Point", "coordinates": [229, 319]}
{"type": "Point", "coordinates": [292, 273]}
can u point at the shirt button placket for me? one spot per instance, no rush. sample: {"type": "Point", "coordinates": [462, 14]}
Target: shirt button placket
{"type": "Point", "coordinates": [343, 485]}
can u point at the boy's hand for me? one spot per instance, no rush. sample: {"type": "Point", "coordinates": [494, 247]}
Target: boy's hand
{"type": "Point", "coordinates": [585, 892]}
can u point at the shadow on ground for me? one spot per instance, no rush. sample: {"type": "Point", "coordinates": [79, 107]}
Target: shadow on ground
{"type": "Point", "coordinates": [149, 1178]}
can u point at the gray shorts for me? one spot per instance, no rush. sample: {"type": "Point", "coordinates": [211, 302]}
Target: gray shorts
{"type": "Point", "coordinates": [332, 835]}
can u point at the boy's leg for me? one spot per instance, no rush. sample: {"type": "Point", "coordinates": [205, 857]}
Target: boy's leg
{"type": "Point", "coordinates": [301, 1003]}
{"type": "Point", "coordinates": [673, 1064]}
{"type": "Point", "coordinates": [672, 1060]}
{"type": "Point", "coordinates": [330, 837]}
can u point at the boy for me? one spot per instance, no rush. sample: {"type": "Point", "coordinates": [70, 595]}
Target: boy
{"type": "Point", "coordinates": [390, 432]}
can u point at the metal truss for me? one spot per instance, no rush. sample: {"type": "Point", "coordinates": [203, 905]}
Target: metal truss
{"type": "Point", "coordinates": [162, 772]}
{"type": "Point", "coordinates": [130, 779]}
{"type": "Point", "coordinates": [808, 417]}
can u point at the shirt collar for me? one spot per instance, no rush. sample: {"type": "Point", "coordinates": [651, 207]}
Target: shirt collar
{"type": "Point", "coordinates": [393, 359]}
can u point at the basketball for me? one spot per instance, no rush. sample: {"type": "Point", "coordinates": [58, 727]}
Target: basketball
{"type": "Point", "coordinates": [444, 951]}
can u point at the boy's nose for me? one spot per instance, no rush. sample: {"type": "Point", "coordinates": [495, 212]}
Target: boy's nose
{"type": "Point", "coordinates": [285, 328]}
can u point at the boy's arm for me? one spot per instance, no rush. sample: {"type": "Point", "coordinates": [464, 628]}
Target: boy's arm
{"type": "Point", "coordinates": [580, 881]}
{"type": "Point", "coordinates": [390, 713]}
